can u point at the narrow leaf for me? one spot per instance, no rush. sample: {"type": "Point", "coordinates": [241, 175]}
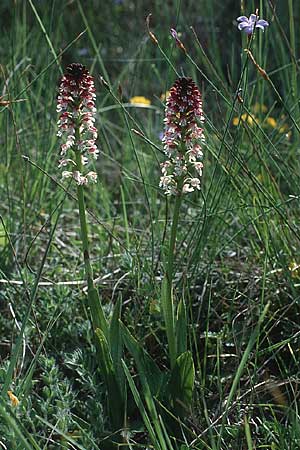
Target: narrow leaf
{"type": "Point", "coordinates": [141, 406]}
{"type": "Point", "coordinates": [147, 368]}
{"type": "Point", "coordinates": [168, 312]}
{"type": "Point", "coordinates": [115, 400]}
{"type": "Point", "coordinates": [116, 344]}
{"type": "Point", "coordinates": [181, 328]}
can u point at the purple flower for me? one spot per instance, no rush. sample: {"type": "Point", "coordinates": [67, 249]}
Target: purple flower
{"type": "Point", "coordinates": [179, 44]}
{"type": "Point", "coordinates": [248, 25]}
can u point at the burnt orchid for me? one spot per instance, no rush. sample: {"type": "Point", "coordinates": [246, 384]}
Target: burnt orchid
{"type": "Point", "coordinates": [247, 25]}
{"type": "Point", "coordinates": [182, 139]}
{"type": "Point", "coordinates": [76, 105]}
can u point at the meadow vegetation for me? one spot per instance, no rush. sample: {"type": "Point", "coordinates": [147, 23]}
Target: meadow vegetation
{"type": "Point", "coordinates": [209, 358]}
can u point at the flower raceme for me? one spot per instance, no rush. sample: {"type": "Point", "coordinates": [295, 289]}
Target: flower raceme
{"type": "Point", "coordinates": [76, 105]}
{"type": "Point", "coordinates": [182, 139]}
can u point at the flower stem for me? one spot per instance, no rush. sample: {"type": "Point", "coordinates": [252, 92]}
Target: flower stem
{"type": "Point", "coordinates": [173, 235]}
{"type": "Point", "coordinates": [168, 307]}
{"type": "Point", "coordinates": [98, 319]}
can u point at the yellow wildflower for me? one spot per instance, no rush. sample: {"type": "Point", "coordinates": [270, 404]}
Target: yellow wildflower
{"type": "Point", "coordinates": [244, 118]}
{"type": "Point", "coordinates": [14, 400]}
{"type": "Point", "coordinates": [272, 122]}
{"type": "Point", "coordinates": [140, 100]}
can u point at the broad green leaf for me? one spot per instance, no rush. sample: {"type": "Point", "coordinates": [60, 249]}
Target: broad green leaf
{"type": "Point", "coordinates": [98, 317]}
{"type": "Point", "coordinates": [146, 366]}
{"type": "Point", "coordinates": [181, 384]}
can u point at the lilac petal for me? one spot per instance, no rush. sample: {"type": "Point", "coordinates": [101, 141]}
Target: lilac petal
{"type": "Point", "coordinates": [243, 25]}
{"type": "Point", "coordinates": [262, 23]}
{"type": "Point", "coordinates": [242, 19]}
{"type": "Point", "coordinates": [247, 29]}
{"type": "Point", "coordinates": [260, 27]}
{"type": "Point", "coordinates": [253, 18]}
{"type": "Point", "coordinates": [174, 33]}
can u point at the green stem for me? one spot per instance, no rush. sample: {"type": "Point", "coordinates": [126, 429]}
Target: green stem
{"type": "Point", "coordinates": [168, 298]}
{"type": "Point", "coordinates": [98, 319]}
{"type": "Point", "coordinates": [294, 66]}
{"type": "Point", "coordinates": [83, 227]}
{"type": "Point", "coordinates": [170, 266]}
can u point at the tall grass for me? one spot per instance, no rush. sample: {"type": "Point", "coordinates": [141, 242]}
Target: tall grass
{"type": "Point", "coordinates": [236, 267]}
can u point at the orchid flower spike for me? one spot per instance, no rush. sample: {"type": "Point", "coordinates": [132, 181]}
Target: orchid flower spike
{"type": "Point", "coordinates": [182, 139]}
{"type": "Point", "coordinates": [76, 108]}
